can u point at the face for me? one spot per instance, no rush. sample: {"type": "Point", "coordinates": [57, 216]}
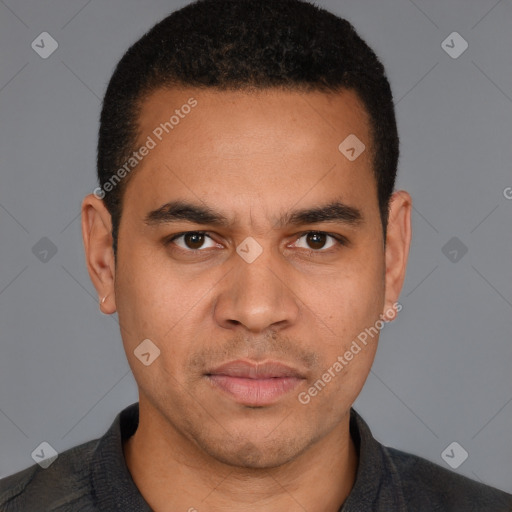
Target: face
{"type": "Point", "coordinates": [248, 238]}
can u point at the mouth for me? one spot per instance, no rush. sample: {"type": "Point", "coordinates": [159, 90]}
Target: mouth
{"type": "Point", "coordinates": [255, 384]}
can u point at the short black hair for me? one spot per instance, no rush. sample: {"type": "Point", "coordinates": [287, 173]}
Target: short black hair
{"type": "Point", "coordinates": [246, 44]}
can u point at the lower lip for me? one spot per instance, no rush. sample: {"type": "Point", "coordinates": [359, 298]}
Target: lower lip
{"type": "Point", "coordinates": [255, 392]}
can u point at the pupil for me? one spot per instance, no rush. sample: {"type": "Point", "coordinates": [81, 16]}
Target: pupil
{"type": "Point", "coordinates": [194, 240]}
{"type": "Point", "coordinates": [316, 240]}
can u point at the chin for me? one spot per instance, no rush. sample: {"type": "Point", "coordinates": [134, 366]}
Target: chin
{"type": "Point", "coordinates": [252, 455]}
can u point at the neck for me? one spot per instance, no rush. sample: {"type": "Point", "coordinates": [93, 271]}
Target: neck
{"type": "Point", "coordinates": [172, 473]}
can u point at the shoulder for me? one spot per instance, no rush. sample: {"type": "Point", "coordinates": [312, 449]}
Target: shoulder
{"type": "Point", "coordinates": [424, 482]}
{"type": "Point", "coordinates": [63, 486]}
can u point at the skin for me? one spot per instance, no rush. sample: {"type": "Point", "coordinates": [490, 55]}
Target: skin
{"type": "Point", "coordinates": [252, 157]}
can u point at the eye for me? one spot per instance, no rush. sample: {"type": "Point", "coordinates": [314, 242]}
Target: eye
{"type": "Point", "coordinates": [192, 240]}
{"type": "Point", "coordinates": [313, 241]}
{"type": "Point", "coordinates": [318, 241]}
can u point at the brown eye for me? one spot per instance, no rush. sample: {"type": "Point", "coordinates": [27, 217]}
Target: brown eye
{"type": "Point", "coordinates": [316, 240]}
{"type": "Point", "coordinates": [192, 241]}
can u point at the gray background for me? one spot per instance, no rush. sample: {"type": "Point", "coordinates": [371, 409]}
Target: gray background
{"type": "Point", "coordinates": [442, 372]}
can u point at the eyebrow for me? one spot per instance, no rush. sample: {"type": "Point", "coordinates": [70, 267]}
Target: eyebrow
{"type": "Point", "coordinates": [175, 211]}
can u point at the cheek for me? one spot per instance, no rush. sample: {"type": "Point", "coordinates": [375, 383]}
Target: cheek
{"type": "Point", "coordinates": [348, 346]}
{"type": "Point", "coordinates": [349, 308]}
{"type": "Point", "coordinates": [141, 297]}
{"type": "Point", "coordinates": [351, 299]}
{"type": "Point", "coordinates": [156, 302]}
{"type": "Point", "coordinates": [146, 288]}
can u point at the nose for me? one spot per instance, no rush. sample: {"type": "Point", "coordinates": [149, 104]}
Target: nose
{"type": "Point", "coordinates": [258, 295]}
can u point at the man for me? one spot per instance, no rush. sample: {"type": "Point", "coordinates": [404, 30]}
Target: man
{"type": "Point", "coordinates": [247, 232]}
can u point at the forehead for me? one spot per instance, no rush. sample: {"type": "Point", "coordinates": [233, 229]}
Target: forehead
{"type": "Point", "coordinates": [308, 116]}
{"type": "Point", "coordinates": [270, 145]}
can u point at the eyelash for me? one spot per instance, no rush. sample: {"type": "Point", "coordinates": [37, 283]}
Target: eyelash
{"type": "Point", "coordinates": [341, 241]}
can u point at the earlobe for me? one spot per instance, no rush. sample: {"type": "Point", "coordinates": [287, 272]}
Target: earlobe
{"type": "Point", "coordinates": [99, 253]}
{"type": "Point", "coordinates": [398, 241]}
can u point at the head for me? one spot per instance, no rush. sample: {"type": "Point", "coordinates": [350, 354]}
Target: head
{"type": "Point", "coordinates": [242, 109]}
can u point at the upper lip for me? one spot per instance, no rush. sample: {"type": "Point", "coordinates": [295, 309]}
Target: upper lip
{"type": "Point", "coordinates": [254, 370]}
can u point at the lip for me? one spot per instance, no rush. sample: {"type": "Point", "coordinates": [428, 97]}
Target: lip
{"type": "Point", "coordinates": [255, 384]}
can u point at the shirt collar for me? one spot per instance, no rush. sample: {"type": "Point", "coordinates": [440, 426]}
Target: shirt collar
{"type": "Point", "coordinates": [112, 483]}
{"type": "Point", "coordinates": [378, 486]}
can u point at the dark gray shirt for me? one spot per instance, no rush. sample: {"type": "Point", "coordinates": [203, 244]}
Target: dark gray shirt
{"type": "Point", "coordinates": [94, 477]}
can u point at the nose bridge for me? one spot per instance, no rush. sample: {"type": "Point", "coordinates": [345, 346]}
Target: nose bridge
{"type": "Point", "coordinates": [256, 295]}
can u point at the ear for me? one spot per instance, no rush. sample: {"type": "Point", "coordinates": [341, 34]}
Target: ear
{"type": "Point", "coordinates": [99, 252]}
{"type": "Point", "coordinates": [398, 241]}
